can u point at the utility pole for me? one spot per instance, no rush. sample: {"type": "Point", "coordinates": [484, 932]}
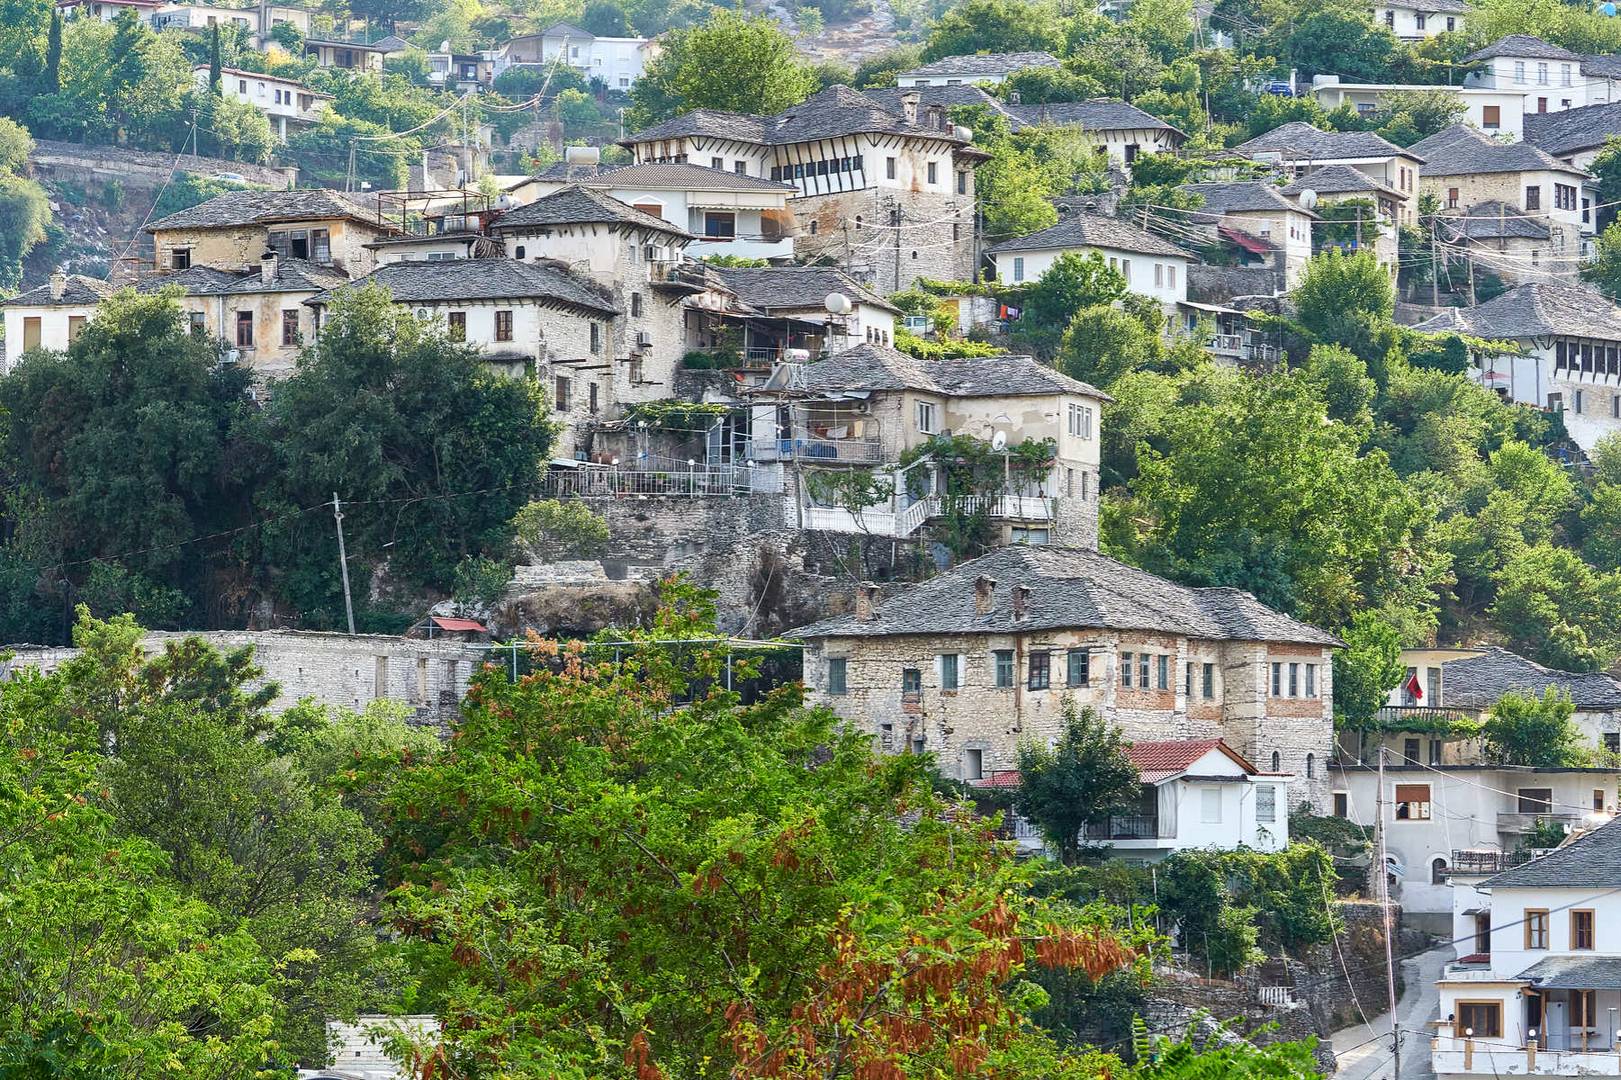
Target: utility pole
{"type": "Point", "coordinates": [1435, 268]}
{"type": "Point", "coordinates": [1384, 901]}
{"type": "Point", "coordinates": [343, 564]}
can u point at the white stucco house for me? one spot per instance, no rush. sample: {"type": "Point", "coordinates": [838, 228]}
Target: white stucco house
{"type": "Point", "coordinates": [978, 68]}
{"type": "Point", "coordinates": [288, 103]}
{"type": "Point", "coordinates": [50, 316]}
{"type": "Point", "coordinates": [617, 61]}
{"type": "Point", "coordinates": [1152, 266]}
{"type": "Point", "coordinates": [1415, 20]}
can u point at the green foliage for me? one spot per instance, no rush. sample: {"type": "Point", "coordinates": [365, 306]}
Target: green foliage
{"type": "Point", "coordinates": [1527, 731]}
{"type": "Point", "coordinates": [1045, 85]}
{"type": "Point", "coordinates": [992, 26]}
{"type": "Point", "coordinates": [1341, 837]}
{"type": "Point", "coordinates": [1347, 300]}
{"type": "Point", "coordinates": [1104, 343]}
{"type": "Point", "coordinates": [1604, 272]}
{"type": "Point", "coordinates": [1557, 610]}
{"type": "Point", "coordinates": [556, 529]}
{"type": "Point", "coordinates": [1366, 670]}
{"type": "Point", "coordinates": [854, 489]}
{"type": "Point", "coordinates": [947, 349]}
{"type": "Point", "coordinates": [1027, 170]}
{"type": "Point", "coordinates": [479, 579]}
{"type": "Point", "coordinates": [25, 217]}
{"type": "Point", "coordinates": [187, 190]}
{"type": "Point", "coordinates": [1050, 303]}
{"type": "Point", "coordinates": [1544, 833]}
{"type": "Point", "coordinates": [1083, 778]}
{"type": "Point", "coordinates": [730, 62]}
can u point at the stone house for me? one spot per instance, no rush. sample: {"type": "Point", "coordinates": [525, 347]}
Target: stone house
{"type": "Point", "coordinates": [987, 655]}
{"type": "Point", "coordinates": [1302, 151]}
{"type": "Point", "coordinates": [537, 318]}
{"type": "Point", "coordinates": [51, 315]}
{"type": "Point", "coordinates": [784, 313]}
{"type": "Point", "coordinates": [977, 68]}
{"type": "Point", "coordinates": [887, 194]}
{"type": "Point", "coordinates": [1257, 210]}
{"type": "Point", "coordinates": [288, 103]}
{"type": "Point", "coordinates": [232, 231]}
{"type": "Point", "coordinates": [1119, 129]}
{"type": "Point", "coordinates": [1347, 183]}
{"type": "Point", "coordinates": [1152, 266]}
{"type": "Point", "coordinates": [1570, 359]}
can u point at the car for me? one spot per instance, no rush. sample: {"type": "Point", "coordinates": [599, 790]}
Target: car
{"type": "Point", "coordinates": [231, 178]}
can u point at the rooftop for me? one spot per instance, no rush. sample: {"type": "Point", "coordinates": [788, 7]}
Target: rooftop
{"type": "Point", "coordinates": [1156, 762]}
{"type": "Point", "coordinates": [1094, 114]}
{"type": "Point", "coordinates": [1092, 230]}
{"type": "Point", "coordinates": [674, 177]}
{"type": "Point", "coordinates": [833, 112]}
{"type": "Point", "coordinates": [984, 64]}
{"type": "Point", "coordinates": [292, 275]}
{"type": "Point", "coordinates": [485, 279]}
{"type": "Point", "coordinates": [1536, 309]}
{"type": "Point", "coordinates": [1494, 220]}
{"type": "Point", "coordinates": [1239, 196]}
{"type": "Point", "coordinates": [1299, 141]}
{"type": "Point", "coordinates": [267, 207]}
{"type": "Point", "coordinates": [80, 291]}
{"type": "Point", "coordinates": [868, 367]}
{"type": "Point", "coordinates": [579, 205]}
{"type": "Point", "coordinates": [1572, 130]}
{"type": "Point", "coordinates": [1477, 682]}
{"type": "Point", "coordinates": [775, 288]}
{"type": "Point", "coordinates": [1517, 45]}
{"type": "Point", "coordinates": [1070, 589]}
{"type": "Point", "coordinates": [1340, 180]}
{"type": "Point", "coordinates": [1461, 150]}
{"type": "Point", "coordinates": [1592, 860]}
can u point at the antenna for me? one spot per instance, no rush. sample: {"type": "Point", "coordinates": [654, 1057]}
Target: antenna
{"type": "Point", "coordinates": [1308, 199]}
{"type": "Point", "coordinates": [999, 441]}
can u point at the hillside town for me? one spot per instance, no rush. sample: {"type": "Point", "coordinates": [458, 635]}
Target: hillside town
{"type": "Point", "coordinates": [882, 539]}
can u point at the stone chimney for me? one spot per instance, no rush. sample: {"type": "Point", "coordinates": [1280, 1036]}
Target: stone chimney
{"type": "Point", "coordinates": [909, 102]}
{"type": "Point", "coordinates": [1021, 603]}
{"type": "Point", "coordinates": [267, 267]}
{"type": "Point", "coordinates": [937, 118]}
{"type": "Point", "coordinates": [866, 601]}
{"type": "Point", "coordinates": [59, 284]}
{"type": "Point", "coordinates": [984, 594]}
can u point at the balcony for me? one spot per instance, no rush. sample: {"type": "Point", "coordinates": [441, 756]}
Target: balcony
{"type": "Point", "coordinates": [1125, 827]}
{"type": "Point", "coordinates": [1520, 823]}
{"type": "Point", "coordinates": [589, 482]}
{"type": "Point", "coordinates": [1477, 861]}
{"type": "Point", "coordinates": [854, 451]}
{"type": "Point", "coordinates": [1394, 717]}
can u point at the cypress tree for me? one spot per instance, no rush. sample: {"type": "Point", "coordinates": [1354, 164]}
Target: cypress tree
{"type": "Point", "coordinates": [214, 60]}
{"type": "Point", "coordinates": [53, 54]}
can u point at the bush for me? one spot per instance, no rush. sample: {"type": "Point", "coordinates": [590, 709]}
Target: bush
{"type": "Point", "coordinates": [480, 580]}
{"type": "Point", "coordinates": [554, 529]}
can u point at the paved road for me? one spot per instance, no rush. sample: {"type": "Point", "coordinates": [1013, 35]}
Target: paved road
{"type": "Point", "coordinates": [1363, 1050]}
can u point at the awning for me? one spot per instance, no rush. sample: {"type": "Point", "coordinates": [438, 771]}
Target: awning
{"type": "Point", "coordinates": [1575, 973]}
{"type": "Point", "coordinates": [1215, 309]}
{"type": "Point", "coordinates": [1252, 244]}
{"type": "Point", "coordinates": [457, 625]}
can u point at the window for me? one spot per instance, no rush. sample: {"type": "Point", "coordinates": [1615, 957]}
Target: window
{"type": "Point", "coordinates": [1294, 680]}
{"type": "Point", "coordinates": [1079, 662]}
{"type": "Point", "coordinates": [1542, 74]}
{"type": "Point", "coordinates": [911, 684]}
{"type": "Point", "coordinates": [1409, 750]}
{"type": "Point", "coordinates": [198, 328]}
{"type": "Point", "coordinates": [503, 326]}
{"type": "Point", "coordinates": [289, 326]}
{"type": "Point", "coordinates": [1342, 804]}
{"type": "Point", "coordinates": [1210, 805]}
{"type": "Point", "coordinates": [1004, 667]}
{"type": "Point", "coordinates": [927, 417]}
{"type": "Point", "coordinates": [1311, 680]}
{"type": "Point", "coordinates": [1564, 197]}
{"type": "Point", "coordinates": [517, 253]}
{"type": "Point", "coordinates": [1277, 680]}
{"type": "Point", "coordinates": [1080, 421]}
{"type": "Point", "coordinates": [1390, 19]}
{"type": "Point", "coordinates": [244, 329]}
{"type": "Point", "coordinates": [1479, 1019]}
{"type": "Point", "coordinates": [933, 173]}
{"type": "Point", "coordinates": [1277, 761]}
{"type": "Point", "coordinates": [1187, 681]}
{"type": "Point", "coordinates": [1162, 673]}
{"type": "Point", "coordinates": [948, 671]}
{"type": "Point", "coordinates": [1536, 928]}
{"type": "Point", "coordinates": [1612, 741]}
{"type": "Point", "coordinates": [1438, 872]}
{"type": "Point", "coordinates": [592, 397]}
{"type": "Point", "coordinates": [1125, 670]}
{"type": "Point", "coordinates": [719, 226]}
{"type": "Point", "coordinates": [560, 393]}
{"type": "Point", "coordinates": [1040, 670]}
{"type": "Point", "coordinates": [1581, 928]}
{"type": "Point", "coordinates": [837, 672]}
{"type": "Point", "coordinates": [1452, 24]}
{"type": "Point", "coordinates": [1125, 270]}
{"type": "Point", "coordinates": [1142, 670]}
{"type": "Point", "coordinates": [973, 764]}
{"type": "Point", "coordinates": [962, 183]}
{"type": "Point", "coordinates": [741, 168]}
{"type": "Point", "coordinates": [1170, 275]}
{"type": "Point", "coordinates": [635, 304]}
{"type": "Point", "coordinates": [1311, 766]}
{"type": "Point", "coordinates": [1412, 802]}
{"type": "Point", "coordinates": [1452, 198]}
{"type": "Point", "coordinates": [1266, 804]}
{"type": "Point", "coordinates": [1159, 275]}
{"type": "Point", "coordinates": [1418, 22]}
{"type": "Point", "coordinates": [1533, 196]}
{"type": "Point", "coordinates": [1435, 751]}
{"type": "Point", "coordinates": [242, 86]}
{"type": "Point", "coordinates": [180, 258]}
{"type": "Point", "coordinates": [457, 321]}
{"type": "Point", "coordinates": [717, 163]}
{"type": "Point", "coordinates": [596, 337]}
{"type": "Point", "coordinates": [1491, 118]}
{"type": "Point", "coordinates": [1598, 799]}
{"type": "Point", "coordinates": [1208, 687]}
{"type": "Point", "coordinates": [1576, 402]}
{"type": "Point", "coordinates": [1534, 800]}
{"type": "Point", "coordinates": [889, 168]}
{"type": "Point", "coordinates": [1519, 71]}
{"type": "Point", "coordinates": [1018, 268]}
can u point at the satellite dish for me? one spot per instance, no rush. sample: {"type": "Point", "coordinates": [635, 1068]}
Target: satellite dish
{"type": "Point", "coordinates": [837, 303]}
{"type": "Point", "coordinates": [999, 441]}
{"type": "Point", "coordinates": [444, 46]}
{"type": "Point", "coordinates": [1308, 199]}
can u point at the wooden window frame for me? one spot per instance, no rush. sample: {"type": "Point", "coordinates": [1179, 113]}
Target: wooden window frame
{"type": "Point", "coordinates": [1495, 1006]}
{"type": "Point", "coordinates": [1526, 923]}
{"type": "Point", "coordinates": [1592, 930]}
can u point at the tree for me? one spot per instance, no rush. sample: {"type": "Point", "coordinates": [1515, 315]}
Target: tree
{"type": "Point", "coordinates": [605, 18]}
{"type": "Point", "coordinates": [1073, 282]}
{"type": "Point", "coordinates": [403, 423]}
{"type": "Point", "coordinates": [25, 212]}
{"type": "Point", "coordinates": [214, 60]}
{"type": "Point", "coordinates": [781, 900]}
{"type": "Point", "coordinates": [1341, 379]}
{"type": "Point", "coordinates": [52, 80]}
{"type": "Point", "coordinates": [993, 26]}
{"type": "Point", "coordinates": [1082, 779]}
{"type": "Point", "coordinates": [1341, 40]}
{"type": "Point", "coordinates": [1046, 85]}
{"type": "Point", "coordinates": [561, 530]}
{"type": "Point", "coordinates": [1366, 670]}
{"type": "Point", "coordinates": [1604, 272]}
{"type": "Point", "coordinates": [1559, 611]}
{"type": "Point", "coordinates": [731, 62]}
{"type": "Point", "coordinates": [1347, 299]}
{"type": "Point", "coordinates": [1531, 732]}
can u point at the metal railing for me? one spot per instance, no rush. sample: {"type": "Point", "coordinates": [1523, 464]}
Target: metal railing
{"type": "Point", "coordinates": [1391, 717]}
{"type": "Point", "coordinates": [861, 451]}
{"type": "Point", "coordinates": [1232, 344]}
{"type": "Point", "coordinates": [1125, 827]}
{"type": "Point", "coordinates": [1485, 861]}
{"type": "Point", "coordinates": [590, 483]}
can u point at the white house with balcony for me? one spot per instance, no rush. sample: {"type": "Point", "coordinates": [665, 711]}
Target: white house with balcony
{"type": "Point", "coordinates": [1447, 803]}
{"type": "Point", "coordinates": [1537, 989]}
{"type": "Point", "coordinates": [1196, 793]}
{"type": "Point", "coordinates": [617, 61]}
{"type": "Point", "coordinates": [287, 103]}
{"type": "Point", "coordinates": [1151, 265]}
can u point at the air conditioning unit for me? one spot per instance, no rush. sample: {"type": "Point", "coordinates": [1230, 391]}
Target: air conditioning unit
{"type": "Point", "coordinates": [644, 339]}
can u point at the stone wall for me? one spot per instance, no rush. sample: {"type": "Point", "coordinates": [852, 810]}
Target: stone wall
{"type": "Point", "coordinates": [71, 163]}
{"type": "Point", "coordinates": [429, 677]}
{"type": "Point", "coordinates": [1220, 284]}
{"type": "Point", "coordinates": [935, 238]}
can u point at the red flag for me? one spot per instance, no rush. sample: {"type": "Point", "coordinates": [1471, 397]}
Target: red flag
{"type": "Point", "coordinates": [1414, 690]}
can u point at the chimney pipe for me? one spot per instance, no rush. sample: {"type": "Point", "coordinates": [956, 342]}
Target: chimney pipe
{"type": "Point", "coordinates": [866, 601]}
{"type": "Point", "coordinates": [909, 102]}
{"type": "Point", "coordinates": [984, 594]}
{"type": "Point", "coordinates": [267, 267]}
{"type": "Point", "coordinates": [1021, 603]}
{"type": "Point", "coordinates": [59, 284]}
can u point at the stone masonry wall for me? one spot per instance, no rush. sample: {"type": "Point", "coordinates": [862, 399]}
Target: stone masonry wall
{"type": "Point", "coordinates": [935, 239]}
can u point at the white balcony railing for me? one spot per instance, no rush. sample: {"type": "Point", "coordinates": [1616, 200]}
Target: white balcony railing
{"type": "Point", "coordinates": [901, 523]}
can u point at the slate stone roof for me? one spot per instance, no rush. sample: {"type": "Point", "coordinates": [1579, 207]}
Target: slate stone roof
{"type": "Point", "coordinates": [1070, 589]}
{"type": "Point", "coordinates": [1300, 141]}
{"type": "Point", "coordinates": [836, 111]}
{"type": "Point", "coordinates": [570, 29]}
{"type": "Point", "coordinates": [1229, 198]}
{"type": "Point", "coordinates": [948, 97]}
{"type": "Point", "coordinates": [879, 367]}
{"type": "Point", "coordinates": [1091, 230]}
{"type": "Point", "coordinates": [80, 291]}
{"type": "Point", "coordinates": [681, 178]}
{"type": "Point", "coordinates": [1533, 48]}
{"type": "Point", "coordinates": [774, 288]}
{"type": "Point", "coordinates": [1340, 180]}
{"type": "Point", "coordinates": [1478, 682]}
{"type": "Point", "coordinates": [984, 64]}
{"type": "Point", "coordinates": [236, 208]}
{"type": "Point", "coordinates": [1590, 861]}
{"type": "Point", "coordinates": [292, 276]}
{"type": "Point", "coordinates": [392, 44]}
{"type": "Point", "coordinates": [578, 205]}
{"type": "Point", "coordinates": [1536, 309]}
{"type": "Point", "coordinates": [1461, 150]}
{"type": "Point", "coordinates": [1575, 973]}
{"type": "Point", "coordinates": [484, 279]}
{"type": "Point", "coordinates": [1572, 130]}
{"type": "Point", "coordinates": [1494, 220]}
{"type": "Point", "coordinates": [1605, 67]}
{"type": "Point", "coordinates": [1094, 114]}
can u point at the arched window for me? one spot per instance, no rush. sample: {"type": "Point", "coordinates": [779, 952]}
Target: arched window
{"type": "Point", "coordinates": [1438, 872]}
{"type": "Point", "coordinates": [1277, 762]}
{"type": "Point", "coordinates": [1311, 766]}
